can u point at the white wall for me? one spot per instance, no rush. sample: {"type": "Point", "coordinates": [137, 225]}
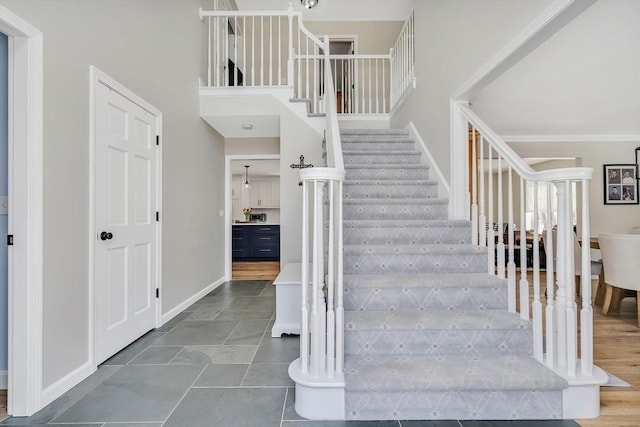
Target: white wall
{"type": "Point", "coordinates": [155, 48]}
{"type": "Point", "coordinates": [296, 138]}
{"type": "Point", "coordinates": [603, 218]}
{"type": "Point", "coordinates": [585, 80]}
{"type": "Point", "coordinates": [453, 40]}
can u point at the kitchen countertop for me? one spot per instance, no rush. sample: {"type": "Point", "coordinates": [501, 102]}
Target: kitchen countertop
{"type": "Point", "coordinates": [256, 223]}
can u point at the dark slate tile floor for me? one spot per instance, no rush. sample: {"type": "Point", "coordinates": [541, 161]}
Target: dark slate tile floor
{"type": "Point", "coordinates": [213, 365]}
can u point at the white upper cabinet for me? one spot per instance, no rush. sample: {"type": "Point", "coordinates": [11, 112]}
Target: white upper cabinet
{"type": "Point", "coordinates": [263, 194]}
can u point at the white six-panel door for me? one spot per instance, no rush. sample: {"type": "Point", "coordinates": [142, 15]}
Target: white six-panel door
{"type": "Point", "coordinates": [125, 222]}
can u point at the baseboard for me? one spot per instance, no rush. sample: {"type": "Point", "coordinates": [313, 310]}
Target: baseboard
{"type": "Point", "coordinates": [189, 301]}
{"type": "Point", "coordinates": [66, 383]}
{"type": "Point", "coordinates": [4, 380]}
{"type": "Point", "coordinates": [443, 184]}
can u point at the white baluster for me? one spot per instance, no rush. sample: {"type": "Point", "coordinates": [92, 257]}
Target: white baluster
{"type": "Point", "coordinates": [340, 302]}
{"type": "Point", "coordinates": [474, 191]}
{"type": "Point", "coordinates": [235, 51]}
{"type": "Point", "coordinates": [279, 50]}
{"type": "Point", "coordinates": [304, 324]}
{"type": "Point", "coordinates": [586, 313]}
{"type": "Point", "coordinates": [524, 283]}
{"type": "Point", "coordinates": [370, 96]}
{"type": "Point", "coordinates": [245, 39]}
{"type": "Point", "coordinates": [331, 326]}
{"type": "Point", "coordinates": [482, 219]}
{"type": "Point", "coordinates": [571, 308]}
{"type": "Point", "coordinates": [270, 51]}
{"type": "Point", "coordinates": [550, 313]}
{"type": "Point", "coordinates": [316, 282]}
{"type": "Point", "coordinates": [492, 232]}
{"type": "Point", "coordinates": [290, 75]}
{"type": "Point", "coordinates": [377, 93]}
{"type": "Point", "coordinates": [511, 265]}
{"type": "Point", "coordinates": [253, 51]}
{"type": "Point", "coordinates": [209, 47]}
{"type": "Point", "coordinates": [561, 277]}
{"type": "Point", "coordinates": [501, 260]}
{"type": "Point", "coordinates": [537, 306]}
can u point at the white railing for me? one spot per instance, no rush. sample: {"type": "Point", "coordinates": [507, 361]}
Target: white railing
{"type": "Point", "coordinates": [261, 49]}
{"type": "Point", "coordinates": [499, 185]}
{"type": "Point", "coordinates": [322, 328]}
{"type": "Point", "coordinates": [362, 83]}
{"type": "Point", "coordinates": [403, 61]}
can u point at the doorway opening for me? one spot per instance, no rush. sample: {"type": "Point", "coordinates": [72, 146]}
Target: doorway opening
{"type": "Point", "coordinates": [252, 216]}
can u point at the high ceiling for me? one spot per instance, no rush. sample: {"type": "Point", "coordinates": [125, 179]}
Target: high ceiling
{"type": "Point", "coordinates": [583, 81]}
{"type": "Point", "coordinates": [339, 10]}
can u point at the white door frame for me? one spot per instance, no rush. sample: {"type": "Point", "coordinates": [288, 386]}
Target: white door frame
{"type": "Point", "coordinates": [25, 279]}
{"type": "Point", "coordinates": [228, 214]}
{"type": "Point", "coordinates": [99, 77]}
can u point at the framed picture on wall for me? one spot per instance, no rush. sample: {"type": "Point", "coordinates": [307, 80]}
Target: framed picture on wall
{"type": "Point", "coordinates": [620, 184]}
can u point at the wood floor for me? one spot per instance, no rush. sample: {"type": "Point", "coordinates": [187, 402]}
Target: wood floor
{"type": "Point", "coordinates": [616, 343]}
{"type": "Point", "coordinates": [266, 270]}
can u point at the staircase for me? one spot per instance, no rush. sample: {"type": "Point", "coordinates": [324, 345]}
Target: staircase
{"type": "Point", "coordinates": [427, 331]}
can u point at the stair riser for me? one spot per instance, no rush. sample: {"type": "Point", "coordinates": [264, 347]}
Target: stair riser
{"type": "Point", "coordinates": [397, 191]}
{"type": "Point", "coordinates": [360, 235]}
{"type": "Point", "coordinates": [388, 173]}
{"type": "Point", "coordinates": [376, 145]}
{"type": "Point", "coordinates": [438, 342]}
{"type": "Point", "coordinates": [454, 405]}
{"type": "Point", "coordinates": [408, 158]}
{"type": "Point", "coordinates": [414, 263]}
{"type": "Point", "coordinates": [425, 299]}
{"type": "Point", "coordinates": [397, 212]}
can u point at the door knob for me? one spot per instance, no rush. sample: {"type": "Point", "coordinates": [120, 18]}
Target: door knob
{"type": "Point", "coordinates": [106, 236]}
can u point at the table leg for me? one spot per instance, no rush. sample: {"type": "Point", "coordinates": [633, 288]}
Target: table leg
{"type": "Point", "coordinates": [600, 291]}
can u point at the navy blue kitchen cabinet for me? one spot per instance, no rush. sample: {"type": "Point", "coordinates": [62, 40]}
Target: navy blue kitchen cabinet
{"type": "Point", "coordinates": [256, 242]}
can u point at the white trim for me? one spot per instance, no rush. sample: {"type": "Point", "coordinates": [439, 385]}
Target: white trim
{"type": "Point", "coordinates": [403, 98]}
{"type": "Point", "coordinates": [67, 382]}
{"type": "Point", "coordinates": [99, 77]}
{"type": "Point", "coordinates": [570, 138]}
{"type": "Point", "coordinates": [545, 25]}
{"type": "Point", "coordinates": [189, 301]}
{"type": "Point", "coordinates": [228, 203]}
{"type": "Point", "coordinates": [26, 73]}
{"type": "Point", "coordinates": [443, 184]}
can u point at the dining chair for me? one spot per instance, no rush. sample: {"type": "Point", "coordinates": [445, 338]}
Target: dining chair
{"type": "Point", "coordinates": [620, 255]}
{"type": "Point", "coordinates": [596, 265]}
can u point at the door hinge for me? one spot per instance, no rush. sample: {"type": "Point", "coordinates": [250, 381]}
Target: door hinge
{"type": "Point", "coordinates": [10, 240]}
{"type": "Point", "coordinates": [157, 216]}
{"type": "Point", "coordinates": [157, 292]}
{"type": "Point", "coordinates": [157, 139]}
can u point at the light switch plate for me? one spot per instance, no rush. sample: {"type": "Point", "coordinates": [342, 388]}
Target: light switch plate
{"type": "Point", "coordinates": [221, 212]}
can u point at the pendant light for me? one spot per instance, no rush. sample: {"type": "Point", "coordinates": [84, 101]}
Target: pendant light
{"type": "Point", "coordinates": [246, 177]}
{"type": "Point", "coordinates": [309, 3]}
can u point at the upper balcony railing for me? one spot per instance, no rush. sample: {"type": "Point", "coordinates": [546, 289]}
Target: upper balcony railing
{"type": "Point", "coordinates": [266, 49]}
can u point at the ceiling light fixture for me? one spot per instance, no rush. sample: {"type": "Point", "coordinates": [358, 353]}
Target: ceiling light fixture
{"type": "Point", "coordinates": [309, 3]}
{"type": "Point", "coordinates": [247, 126]}
{"type": "Point", "coordinates": [246, 177]}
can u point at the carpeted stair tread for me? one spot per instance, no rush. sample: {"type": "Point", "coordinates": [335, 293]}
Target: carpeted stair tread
{"type": "Point", "coordinates": [382, 153]}
{"type": "Point", "coordinates": [385, 165]}
{"type": "Point", "coordinates": [374, 132]}
{"type": "Point", "coordinates": [391, 182]}
{"type": "Point", "coordinates": [376, 139]}
{"type": "Point", "coordinates": [388, 201]}
{"type": "Point", "coordinates": [428, 249]}
{"type": "Point", "coordinates": [426, 223]}
{"type": "Point", "coordinates": [418, 320]}
{"type": "Point", "coordinates": [448, 372]}
{"type": "Point", "coordinates": [426, 280]}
